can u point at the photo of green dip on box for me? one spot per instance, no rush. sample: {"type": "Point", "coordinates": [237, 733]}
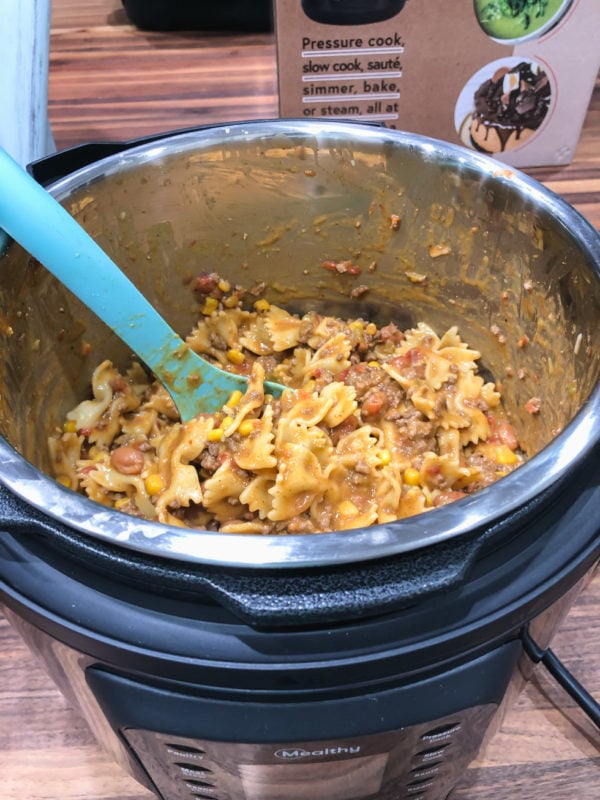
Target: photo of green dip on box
{"type": "Point", "coordinates": [511, 21]}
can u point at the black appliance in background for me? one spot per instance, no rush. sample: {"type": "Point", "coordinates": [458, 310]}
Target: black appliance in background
{"type": "Point", "coordinates": [173, 15]}
{"type": "Point", "coordinates": [257, 15]}
{"type": "Point", "coordinates": [351, 12]}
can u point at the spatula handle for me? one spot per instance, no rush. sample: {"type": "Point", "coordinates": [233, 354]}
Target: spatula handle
{"type": "Point", "coordinates": [31, 216]}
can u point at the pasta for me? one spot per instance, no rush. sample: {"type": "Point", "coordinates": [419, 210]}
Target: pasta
{"type": "Point", "coordinates": [377, 424]}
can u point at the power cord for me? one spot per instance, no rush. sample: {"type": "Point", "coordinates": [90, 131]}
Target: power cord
{"type": "Point", "coordinates": [561, 674]}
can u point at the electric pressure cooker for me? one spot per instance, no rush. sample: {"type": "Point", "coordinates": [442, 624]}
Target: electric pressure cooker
{"type": "Point", "coordinates": [370, 663]}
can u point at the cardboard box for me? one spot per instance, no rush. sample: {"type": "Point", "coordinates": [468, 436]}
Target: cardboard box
{"type": "Point", "coordinates": [514, 85]}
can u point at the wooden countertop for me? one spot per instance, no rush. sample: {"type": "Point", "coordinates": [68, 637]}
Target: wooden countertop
{"type": "Point", "coordinates": [111, 81]}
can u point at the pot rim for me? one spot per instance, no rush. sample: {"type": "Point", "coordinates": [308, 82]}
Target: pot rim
{"type": "Point", "coordinates": [483, 509]}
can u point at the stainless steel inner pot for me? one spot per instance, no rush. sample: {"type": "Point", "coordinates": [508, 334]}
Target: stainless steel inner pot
{"type": "Point", "coordinates": [271, 201]}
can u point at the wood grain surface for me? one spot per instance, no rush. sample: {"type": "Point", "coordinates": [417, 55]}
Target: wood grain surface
{"type": "Point", "coordinates": [109, 81]}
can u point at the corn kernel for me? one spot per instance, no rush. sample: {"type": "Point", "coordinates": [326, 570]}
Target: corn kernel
{"type": "Point", "coordinates": [347, 509]}
{"type": "Point", "coordinates": [384, 457]}
{"type": "Point", "coordinates": [375, 364]}
{"type": "Point", "coordinates": [224, 285]}
{"type": "Point", "coordinates": [356, 326]}
{"type": "Point", "coordinates": [262, 305]}
{"type": "Point", "coordinates": [64, 480]}
{"type": "Point", "coordinates": [210, 306]}
{"type": "Point", "coordinates": [227, 421]}
{"type": "Point", "coordinates": [215, 435]}
{"type": "Point", "coordinates": [70, 426]}
{"type": "Point", "coordinates": [236, 356]}
{"type": "Point", "coordinates": [411, 476]}
{"type": "Point", "coordinates": [234, 399]}
{"type": "Point", "coordinates": [502, 454]}
{"type": "Point", "coordinates": [153, 484]}
{"type": "Point", "coordinates": [121, 503]}
{"type": "Point", "coordinates": [231, 301]}
{"type": "Point", "coordinates": [371, 329]}
{"type": "Point", "coordinates": [96, 453]}
{"type": "Point", "coordinates": [246, 427]}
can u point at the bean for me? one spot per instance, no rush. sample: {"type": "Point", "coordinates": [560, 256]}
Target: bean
{"type": "Point", "coordinates": [127, 460]}
{"type": "Point", "coordinates": [507, 435]}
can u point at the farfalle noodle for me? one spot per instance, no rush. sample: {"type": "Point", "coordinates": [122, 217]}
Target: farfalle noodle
{"type": "Point", "coordinates": [377, 424]}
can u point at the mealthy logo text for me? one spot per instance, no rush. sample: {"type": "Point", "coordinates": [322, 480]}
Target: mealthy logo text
{"type": "Point", "coordinates": [298, 752]}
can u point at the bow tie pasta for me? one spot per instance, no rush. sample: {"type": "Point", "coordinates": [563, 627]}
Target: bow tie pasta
{"type": "Point", "coordinates": [377, 424]}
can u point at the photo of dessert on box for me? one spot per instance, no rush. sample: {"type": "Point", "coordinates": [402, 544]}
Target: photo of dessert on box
{"type": "Point", "coordinates": [511, 21]}
{"type": "Point", "coordinates": [503, 105]}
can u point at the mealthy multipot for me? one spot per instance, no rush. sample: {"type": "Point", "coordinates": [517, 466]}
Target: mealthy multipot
{"type": "Point", "coordinates": [370, 663]}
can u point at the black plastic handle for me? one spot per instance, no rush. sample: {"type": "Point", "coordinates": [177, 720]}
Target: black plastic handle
{"type": "Point", "coordinates": [52, 168]}
{"type": "Point", "coordinates": [258, 596]}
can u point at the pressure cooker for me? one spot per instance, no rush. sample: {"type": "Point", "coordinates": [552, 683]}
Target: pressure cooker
{"type": "Point", "coordinates": [369, 663]}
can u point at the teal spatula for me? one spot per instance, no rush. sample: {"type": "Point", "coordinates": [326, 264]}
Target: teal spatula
{"type": "Point", "coordinates": [32, 217]}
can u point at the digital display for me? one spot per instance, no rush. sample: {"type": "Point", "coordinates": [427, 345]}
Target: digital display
{"type": "Point", "coordinates": [346, 779]}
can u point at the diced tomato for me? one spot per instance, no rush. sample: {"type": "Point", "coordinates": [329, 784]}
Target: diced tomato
{"type": "Point", "coordinates": [444, 498]}
{"type": "Point", "coordinates": [374, 402]}
{"type": "Point", "coordinates": [342, 267]}
{"type": "Point", "coordinates": [413, 358]}
{"type": "Point", "coordinates": [502, 432]}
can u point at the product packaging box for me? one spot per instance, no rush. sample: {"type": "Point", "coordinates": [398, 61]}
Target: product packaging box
{"type": "Point", "coordinates": [510, 78]}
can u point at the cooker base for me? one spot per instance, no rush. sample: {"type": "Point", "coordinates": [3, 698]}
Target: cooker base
{"type": "Point", "coordinates": [182, 741]}
{"type": "Point", "coordinates": [423, 760]}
